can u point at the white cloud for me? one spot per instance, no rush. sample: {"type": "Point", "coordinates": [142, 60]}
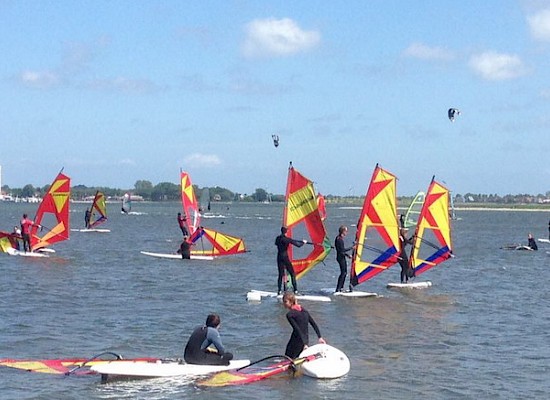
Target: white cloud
{"type": "Point", "coordinates": [203, 160]}
{"type": "Point", "coordinates": [425, 52]}
{"type": "Point", "coordinates": [277, 37]}
{"type": "Point", "coordinates": [540, 25]}
{"type": "Point", "coordinates": [39, 79]}
{"type": "Point", "coordinates": [495, 66]}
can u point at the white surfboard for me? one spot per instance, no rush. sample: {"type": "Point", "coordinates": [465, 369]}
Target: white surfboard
{"type": "Point", "coordinates": [119, 369]}
{"type": "Point", "coordinates": [12, 252]}
{"type": "Point", "coordinates": [175, 256]}
{"type": "Point", "coordinates": [544, 240]}
{"type": "Point", "coordinates": [257, 295]}
{"type": "Point", "coordinates": [410, 285]}
{"type": "Point", "coordinates": [91, 230]}
{"type": "Point", "coordinates": [333, 364]}
{"type": "Point", "coordinates": [355, 293]}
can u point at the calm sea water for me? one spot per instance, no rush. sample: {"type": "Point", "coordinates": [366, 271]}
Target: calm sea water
{"type": "Point", "coordinates": [481, 331]}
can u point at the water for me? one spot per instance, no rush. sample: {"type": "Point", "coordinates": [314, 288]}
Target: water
{"type": "Point", "coordinates": [481, 331]}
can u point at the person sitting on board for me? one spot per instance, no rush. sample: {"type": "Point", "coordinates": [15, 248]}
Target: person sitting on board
{"type": "Point", "coordinates": [185, 248]}
{"type": "Point", "coordinates": [299, 318]}
{"type": "Point", "coordinates": [531, 242]}
{"type": "Point", "coordinates": [406, 271]}
{"type": "Point", "coordinates": [198, 350]}
{"type": "Point", "coordinates": [341, 254]}
{"type": "Point", "coordinates": [26, 225]}
{"type": "Point", "coordinates": [87, 217]}
{"type": "Point", "coordinates": [182, 222]}
{"type": "Point", "coordinates": [283, 262]}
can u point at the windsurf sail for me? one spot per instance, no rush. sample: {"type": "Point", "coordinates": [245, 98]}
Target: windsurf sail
{"type": "Point", "coordinates": [256, 371]}
{"type": "Point", "coordinates": [413, 212]}
{"type": "Point", "coordinates": [52, 218]}
{"type": "Point", "coordinates": [98, 210]}
{"type": "Point", "coordinates": [208, 242]}
{"type": "Point", "coordinates": [67, 366]}
{"type": "Point", "coordinates": [432, 237]}
{"type": "Point", "coordinates": [377, 238]}
{"type": "Point", "coordinates": [126, 203]}
{"type": "Point", "coordinates": [302, 218]}
{"type": "Point", "coordinates": [189, 202]}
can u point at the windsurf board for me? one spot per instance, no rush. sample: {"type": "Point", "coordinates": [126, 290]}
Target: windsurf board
{"type": "Point", "coordinates": [12, 252]}
{"type": "Point", "coordinates": [99, 230]}
{"type": "Point", "coordinates": [257, 295]}
{"type": "Point", "coordinates": [410, 285]}
{"type": "Point", "coordinates": [333, 363]}
{"type": "Point", "coordinates": [161, 368]}
{"type": "Point", "coordinates": [175, 256]}
{"type": "Point", "coordinates": [544, 240]}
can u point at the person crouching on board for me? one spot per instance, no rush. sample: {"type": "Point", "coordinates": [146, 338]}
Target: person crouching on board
{"type": "Point", "coordinates": [299, 318]}
{"type": "Point", "coordinates": [198, 349]}
{"type": "Point", "coordinates": [185, 248]}
{"type": "Point", "coordinates": [406, 272]}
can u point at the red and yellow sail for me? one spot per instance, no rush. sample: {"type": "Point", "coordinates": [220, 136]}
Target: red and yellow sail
{"type": "Point", "coordinates": [52, 215]}
{"type": "Point", "coordinates": [189, 202]}
{"type": "Point", "coordinates": [322, 206]}
{"type": "Point", "coordinates": [208, 242]}
{"type": "Point", "coordinates": [432, 238]}
{"type": "Point", "coordinates": [302, 212]}
{"type": "Point", "coordinates": [98, 211]}
{"type": "Point", "coordinates": [377, 237]}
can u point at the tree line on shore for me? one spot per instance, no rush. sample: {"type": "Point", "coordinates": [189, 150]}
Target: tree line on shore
{"type": "Point", "coordinates": [168, 191]}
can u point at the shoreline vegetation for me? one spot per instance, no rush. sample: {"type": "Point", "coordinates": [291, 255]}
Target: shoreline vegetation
{"type": "Point", "coordinates": [167, 191]}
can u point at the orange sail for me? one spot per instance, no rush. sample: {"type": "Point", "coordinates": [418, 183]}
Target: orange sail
{"type": "Point", "coordinates": [377, 237]}
{"type": "Point", "coordinates": [52, 215]}
{"type": "Point", "coordinates": [98, 211]}
{"type": "Point", "coordinates": [189, 202]}
{"type": "Point", "coordinates": [301, 216]}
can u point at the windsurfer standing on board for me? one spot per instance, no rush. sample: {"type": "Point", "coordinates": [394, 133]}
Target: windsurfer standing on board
{"type": "Point", "coordinates": [341, 254]}
{"type": "Point", "coordinates": [406, 272]}
{"type": "Point", "coordinates": [185, 248]}
{"type": "Point", "coordinates": [26, 225]}
{"type": "Point", "coordinates": [283, 262]}
{"type": "Point", "coordinates": [299, 318]}
{"type": "Point", "coordinates": [182, 222]}
{"type": "Point", "coordinates": [87, 217]}
{"type": "Point", "coordinates": [198, 351]}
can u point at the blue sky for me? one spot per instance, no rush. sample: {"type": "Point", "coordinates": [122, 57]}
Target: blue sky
{"type": "Point", "coordinates": [117, 91]}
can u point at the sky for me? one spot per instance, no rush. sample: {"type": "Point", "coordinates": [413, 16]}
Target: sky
{"type": "Point", "coordinates": [120, 91]}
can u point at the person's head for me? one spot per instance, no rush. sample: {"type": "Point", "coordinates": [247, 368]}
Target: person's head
{"type": "Point", "coordinates": [24, 215]}
{"type": "Point", "coordinates": [179, 214]}
{"type": "Point", "coordinates": [289, 299]}
{"type": "Point", "coordinates": [284, 230]}
{"type": "Point", "coordinates": [213, 320]}
{"type": "Point", "coordinates": [185, 237]}
{"type": "Point", "coordinates": [530, 236]}
{"type": "Point", "coordinates": [343, 230]}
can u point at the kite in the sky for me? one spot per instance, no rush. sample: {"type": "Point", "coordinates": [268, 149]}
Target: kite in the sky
{"type": "Point", "coordinates": [275, 140]}
{"type": "Point", "coordinates": [452, 113]}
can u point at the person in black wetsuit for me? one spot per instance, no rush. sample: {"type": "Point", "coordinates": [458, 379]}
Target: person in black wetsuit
{"type": "Point", "coordinates": [198, 350]}
{"type": "Point", "coordinates": [299, 318]}
{"type": "Point", "coordinates": [185, 248]}
{"type": "Point", "coordinates": [283, 262]}
{"type": "Point", "coordinates": [341, 254]}
{"type": "Point", "coordinates": [406, 271]}
{"type": "Point", "coordinates": [531, 242]}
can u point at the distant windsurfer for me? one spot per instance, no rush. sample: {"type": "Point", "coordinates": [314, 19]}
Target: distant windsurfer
{"type": "Point", "coordinates": [185, 248]}
{"type": "Point", "coordinates": [283, 261]}
{"type": "Point", "coordinates": [87, 217]}
{"type": "Point", "coordinates": [548, 230]}
{"type": "Point", "coordinates": [182, 222]}
{"type": "Point", "coordinates": [26, 225]}
{"type": "Point", "coordinates": [531, 242]}
{"type": "Point", "coordinates": [299, 318]}
{"type": "Point", "coordinates": [198, 350]}
{"type": "Point", "coordinates": [406, 271]}
{"type": "Point", "coordinates": [341, 254]}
